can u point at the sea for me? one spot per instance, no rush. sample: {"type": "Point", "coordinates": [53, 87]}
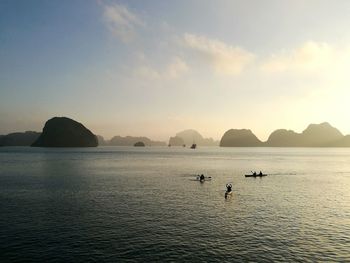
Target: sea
{"type": "Point", "coordinates": [144, 204]}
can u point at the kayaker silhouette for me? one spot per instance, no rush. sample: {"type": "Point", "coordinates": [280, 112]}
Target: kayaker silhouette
{"type": "Point", "coordinates": [201, 177]}
{"type": "Point", "coordinates": [260, 173]}
{"type": "Point", "coordinates": [228, 190]}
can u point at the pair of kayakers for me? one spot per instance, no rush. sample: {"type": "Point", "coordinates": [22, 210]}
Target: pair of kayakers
{"type": "Point", "coordinates": [260, 173]}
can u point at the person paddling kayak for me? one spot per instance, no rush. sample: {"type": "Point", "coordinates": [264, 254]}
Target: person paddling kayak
{"type": "Point", "coordinates": [201, 178]}
{"type": "Point", "coordinates": [228, 189]}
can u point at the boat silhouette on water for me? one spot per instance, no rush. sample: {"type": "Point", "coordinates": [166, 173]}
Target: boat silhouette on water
{"type": "Point", "coordinates": [255, 175]}
{"type": "Point", "coordinates": [202, 178]}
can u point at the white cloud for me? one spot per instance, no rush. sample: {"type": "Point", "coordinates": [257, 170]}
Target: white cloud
{"type": "Point", "coordinates": [175, 69]}
{"type": "Point", "coordinates": [309, 57]}
{"type": "Point", "coordinates": [225, 59]}
{"type": "Point", "coordinates": [121, 21]}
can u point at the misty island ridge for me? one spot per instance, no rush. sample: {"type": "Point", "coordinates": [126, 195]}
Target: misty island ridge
{"type": "Point", "coordinates": [65, 132]}
{"type": "Point", "coordinates": [188, 137]}
{"type": "Point", "coordinates": [128, 141]}
{"type": "Point", "coordinates": [315, 135]}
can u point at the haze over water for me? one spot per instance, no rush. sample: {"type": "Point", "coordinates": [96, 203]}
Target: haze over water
{"type": "Point", "coordinates": [126, 203]}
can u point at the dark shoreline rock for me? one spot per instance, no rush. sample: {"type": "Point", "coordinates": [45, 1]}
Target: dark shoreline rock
{"type": "Point", "coordinates": [139, 144]}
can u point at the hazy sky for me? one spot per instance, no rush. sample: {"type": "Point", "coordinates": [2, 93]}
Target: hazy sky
{"type": "Point", "coordinates": [154, 68]}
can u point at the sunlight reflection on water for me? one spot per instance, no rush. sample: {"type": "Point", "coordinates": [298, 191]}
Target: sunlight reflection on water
{"type": "Point", "coordinates": [121, 203]}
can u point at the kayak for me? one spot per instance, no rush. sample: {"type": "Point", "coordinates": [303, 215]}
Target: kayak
{"type": "Point", "coordinates": [255, 175]}
{"type": "Point", "coordinates": [205, 179]}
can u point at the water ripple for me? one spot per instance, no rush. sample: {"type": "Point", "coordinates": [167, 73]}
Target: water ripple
{"type": "Point", "coordinates": [130, 206]}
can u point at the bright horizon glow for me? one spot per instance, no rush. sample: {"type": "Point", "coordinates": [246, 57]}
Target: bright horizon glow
{"type": "Point", "coordinates": [154, 68]}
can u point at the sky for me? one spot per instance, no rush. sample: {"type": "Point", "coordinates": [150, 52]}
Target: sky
{"type": "Point", "coordinates": [153, 68]}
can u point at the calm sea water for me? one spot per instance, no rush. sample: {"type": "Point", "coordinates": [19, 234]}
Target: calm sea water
{"type": "Point", "coordinates": [121, 204]}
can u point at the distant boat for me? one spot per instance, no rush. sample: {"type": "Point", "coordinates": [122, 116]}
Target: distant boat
{"type": "Point", "coordinates": [194, 146]}
{"type": "Point", "coordinates": [255, 175]}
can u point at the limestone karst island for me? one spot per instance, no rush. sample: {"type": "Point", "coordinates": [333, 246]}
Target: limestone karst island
{"type": "Point", "coordinates": [66, 132]}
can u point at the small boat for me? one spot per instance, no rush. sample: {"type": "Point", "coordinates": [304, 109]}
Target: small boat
{"type": "Point", "coordinates": [194, 146]}
{"type": "Point", "coordinates": [255, 175]}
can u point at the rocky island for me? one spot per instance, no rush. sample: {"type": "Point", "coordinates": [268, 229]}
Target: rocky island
{"type": "Point", "coordinates": [240, 138]}
{"type": "Point", "coordinates": [65, 132]}
{"type": "Point", "coordinates": [19, 138]}
{"type": "Point", "coordinates": [315, 135]}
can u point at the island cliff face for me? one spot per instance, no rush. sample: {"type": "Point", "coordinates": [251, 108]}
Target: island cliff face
{"type": "Point", "coordinates": [240, 138]}
{"type": "Point", "coordinates": [65, 132]}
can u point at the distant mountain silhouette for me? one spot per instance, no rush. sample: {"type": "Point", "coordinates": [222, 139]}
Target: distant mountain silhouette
{"type": "Point", "coordinates": [130, 141]}
{"type": "Point", "coordinates": [101, 140]}
{"type": "Point", "coordinates": [19, 138]}
{"type": "Point", "coordinates": [65, 132]}
{"type": "Point", "coordinates": [191, 136]}
{"type": "Point", "coordinates": [315, 135]}
{"type": "Point", "coordinates": [240, 138]}
{"type": "Point", "coordinates": [176, 141]}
